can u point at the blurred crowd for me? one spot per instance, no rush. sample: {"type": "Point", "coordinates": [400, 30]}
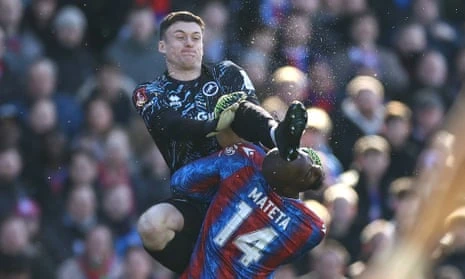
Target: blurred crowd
{"type": "Point", "coordinates": [77, 166]}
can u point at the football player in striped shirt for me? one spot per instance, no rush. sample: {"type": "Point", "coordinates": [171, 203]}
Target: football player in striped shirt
{"type": "Point", "coordinates": [255, 222]}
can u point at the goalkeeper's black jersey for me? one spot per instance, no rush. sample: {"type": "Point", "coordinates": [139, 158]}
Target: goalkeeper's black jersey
{"type": "Point", "coordinates": [179, 114]}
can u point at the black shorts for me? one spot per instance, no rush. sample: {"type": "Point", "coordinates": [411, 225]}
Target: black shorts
{"type": "Point", "coordinates": [178, 251]}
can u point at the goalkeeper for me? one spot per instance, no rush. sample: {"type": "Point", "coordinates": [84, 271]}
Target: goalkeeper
{"type": "Point", "coordinates": [178, 109]}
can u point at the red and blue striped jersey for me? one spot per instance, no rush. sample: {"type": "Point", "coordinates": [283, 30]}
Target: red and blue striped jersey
{"type": "Point", "coordinates": [249, 230]}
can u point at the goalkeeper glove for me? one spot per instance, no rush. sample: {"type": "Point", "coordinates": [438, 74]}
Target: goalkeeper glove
{"type": "Point", "coordinates": [225, 110]}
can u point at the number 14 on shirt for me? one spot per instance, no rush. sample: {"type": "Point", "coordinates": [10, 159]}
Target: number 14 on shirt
{"type": "Point", "coordinates": [251, 244]}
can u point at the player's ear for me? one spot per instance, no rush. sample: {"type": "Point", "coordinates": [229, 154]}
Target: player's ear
{"type": "Point", "coordinates": [162, 46]}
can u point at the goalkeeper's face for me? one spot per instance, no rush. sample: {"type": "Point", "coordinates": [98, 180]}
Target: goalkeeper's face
{"type": "Point", "coordinates": [182, 45]}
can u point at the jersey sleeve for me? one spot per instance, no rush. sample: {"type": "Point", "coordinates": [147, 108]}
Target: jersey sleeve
{"type": "Point", "coordinates": [318, 228]}
{"type": "Point", "coordinates": [311, 226]}
{"type": "Point", "coordinates": [233, 78]}
{"type": "Point", "coordinates": [200, 179]}
{"type": "Point", "coordinates": [164, 121]}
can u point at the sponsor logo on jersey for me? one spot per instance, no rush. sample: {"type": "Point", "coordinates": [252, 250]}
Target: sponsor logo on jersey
{"type": "Point", "coordinates": [203, 115]}
{"type": "Point", "coordinates": [175, 101]}
{"type": "Point", "coordinates": [210, 88]}
{"type": "Point", "coordinates": [140, 97]}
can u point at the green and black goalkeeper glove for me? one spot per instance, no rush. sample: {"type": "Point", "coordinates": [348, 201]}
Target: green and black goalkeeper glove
{"type": "Point", "coordinates": [225, 110]}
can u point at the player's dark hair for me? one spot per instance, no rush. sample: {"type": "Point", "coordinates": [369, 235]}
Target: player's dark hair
{"type": "Point", "coordinates": [174, 17]}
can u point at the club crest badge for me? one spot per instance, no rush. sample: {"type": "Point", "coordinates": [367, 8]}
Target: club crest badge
{"type": "Point", "coordinates": [140, 97]}
{"type": "Point", "coordinates": [230, 150]}
{"type": "Point", "coordinates": [210, 89]}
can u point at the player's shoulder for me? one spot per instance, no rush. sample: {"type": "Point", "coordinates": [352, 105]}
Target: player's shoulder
{"type": "Point", "coordinates": [247, 151]}
{"type": "Point", "coordinates": [148, 90]}
{"type": "Point", "coordinates": [154, 86]}
{"type": "Point", "coordinates": [225, 66]}
{"type": "Point", "coordinates": [243, 148]}
{"type": "Point", "coordinates": [251, 149]}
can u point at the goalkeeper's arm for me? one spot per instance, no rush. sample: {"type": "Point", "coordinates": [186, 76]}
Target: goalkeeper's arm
{"type": "Point", "coordinates": [170, 122]}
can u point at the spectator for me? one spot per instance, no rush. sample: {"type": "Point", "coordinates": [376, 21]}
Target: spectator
{"type": "Point", "coordinates": [41, 84]}
{"type": "Point", "coordinates": [361, 113]}
{"type": "Point", "coordinates": [342, 203]}
{"type": "Point", "coordinates": [330, 261]}
{"type": "Point", "coordinates": [37, 20]}
{"type": "Point", "coordinates": [256, 64]}
{"type": "Point", "coordinates": [397, 130]}
{"type": "Point", "coordinates": [139, 265]}
{"type": "Point", "coordinates": [316, 136]}
{"type": "Point", "coordinates": [240, 31]}
{"type": "Point", "coordinates": [308, 7]}
{"type": "Point", "coordinates": [12, 188]}
{"type": "Point", "coordinates": [365, 56]}
{"type": "Point", "coordinates": [140, 141]}
{"type": "Point", "coordinates": [97, 260]}
{"type": "Point", "coordinates": [336, 37]}
{"type": "Point", "coordinates": [330, 34]}
{"type": "Point", "coordinates": [99, 121]}
{"type": "Point", "coordinates": [441, 35]}
{"type": "Point", "coordinates": [410, 43]}
{"type": "Point", "coordinates": [10, 128]}
{"type": "Point", "coordinates": [256, 58]}
{"type": "Point", "coordinates": [372, 161]}
{"type": "Point", "coordinates": [118, 213]}
{"type": "Point", "coordinates": [404, 199]}
{"type": "Point", "coordinates": [322, 90]}
{"type": "Point", "coordinates": [42, 121]}
{"type": "Point", "coordinates": [54, 155]}
{"type": "Point", "coordinates": [9, 80]}
{"type": "Point", "coordinates": [76, 220]}
{"type": "Point", "coordinates": [30, 212]}
{"type": "Point", "coordinates": [111, 85]}
{"type": "Point", "coordinates": [216, 16]}
{"type": "Point", "coordinates": [376, 239]}
{"type": "Point", "coordinates": [162, 8]}
{"type": "Point", "coordinates": [289, 83]}
{"type": "Point", "coordinates": [293, 46]}
{"type": "Point", "coordinates": [432, 72]}
{"type": "Point", "coordinates": [18, 257]}
{"type": "Point", "coordinates": [115, 167]}
{"type": "Point", "coordinates": [81, 170]}
{"type": "Point", "coordinates": [390, 13]}
{"type": "Point", "coordinates": [105, 19]}
{"type": "Point", "coordinates": [156, 180]}
{"type": "Point", "coordinates": [75, 62]}
{"type": "Point", "coordinates": [355, 7]}
{"type": "Point", "coordinates": [22, 47]}
{"type": "Point", "coordinates": [428, 117]}
{"type": "Point", "coordinates": [136, 54]}
{"type": "Point", "coordinates": [276, 107]}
